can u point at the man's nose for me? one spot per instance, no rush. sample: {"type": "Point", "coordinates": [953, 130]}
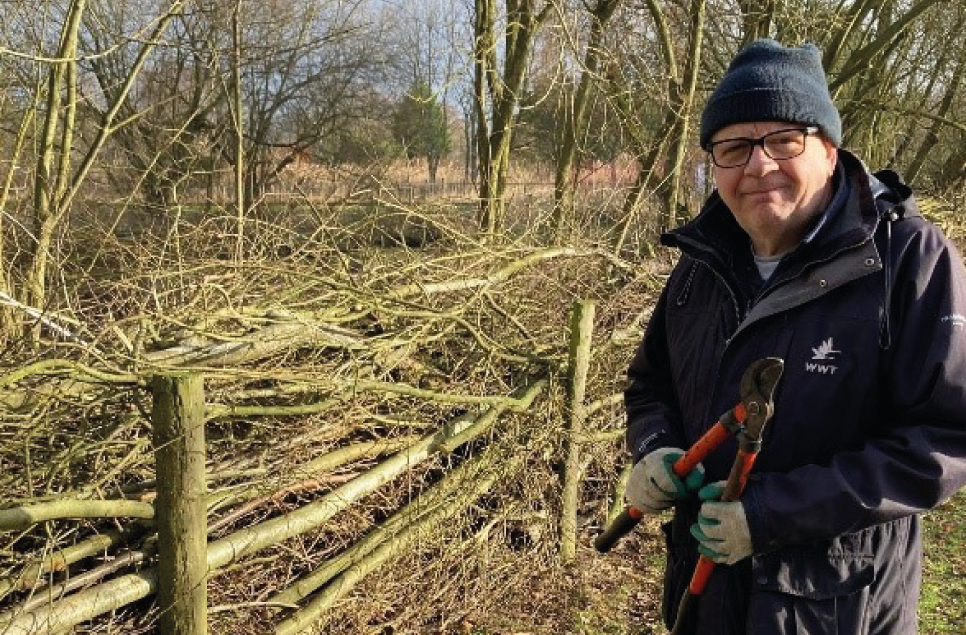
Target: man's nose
{"type": "Point", "coordinates": [760, 162]}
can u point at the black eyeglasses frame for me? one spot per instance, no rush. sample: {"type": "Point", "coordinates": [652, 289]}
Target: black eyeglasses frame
{"type": "Point", "coordinates": [760, 141]}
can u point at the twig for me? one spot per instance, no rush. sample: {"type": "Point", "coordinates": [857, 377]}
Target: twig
{"type": "Point", "coordinates": [32, 575]}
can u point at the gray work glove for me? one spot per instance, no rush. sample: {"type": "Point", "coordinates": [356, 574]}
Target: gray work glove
{"type": "Point", "coordinates": [653, 486]}
{"type": "Point", "coordinates": [722, 528]}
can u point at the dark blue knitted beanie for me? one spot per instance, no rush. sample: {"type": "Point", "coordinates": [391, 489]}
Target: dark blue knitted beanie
{"type": "Point", "coordinates": [769, 82]}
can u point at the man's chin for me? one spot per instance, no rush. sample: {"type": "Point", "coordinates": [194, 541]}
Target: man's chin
{"type": "Point", "coordinates": [766, 197]}
{"type": "Point", "coordinates": [771, 210]}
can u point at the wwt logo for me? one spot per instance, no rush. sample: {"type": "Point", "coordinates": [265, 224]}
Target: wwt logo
{"type": "Point", "coordinates": [823, 352]}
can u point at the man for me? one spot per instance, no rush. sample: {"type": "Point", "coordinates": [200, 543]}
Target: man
{"type": "Point", "coordinates": [802, 254]}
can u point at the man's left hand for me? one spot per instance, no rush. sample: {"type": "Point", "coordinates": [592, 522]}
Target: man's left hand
{"type": "Point", "coordinates": [722, 528]}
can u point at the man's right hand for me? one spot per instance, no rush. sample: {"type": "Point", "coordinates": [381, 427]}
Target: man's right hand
{"type": "Point", "coordinates": [653, 486]}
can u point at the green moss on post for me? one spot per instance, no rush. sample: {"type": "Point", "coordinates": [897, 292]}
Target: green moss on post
{"type": "Point", "coordinates": [179, 440]}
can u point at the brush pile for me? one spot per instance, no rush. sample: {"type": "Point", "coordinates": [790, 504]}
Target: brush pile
{"type": "Point", "coordinates": [384, 421]}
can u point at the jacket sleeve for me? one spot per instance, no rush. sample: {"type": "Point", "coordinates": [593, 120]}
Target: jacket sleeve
{"type": "Point", "coordinates": [653, 414]}
{"type": "Point", "coordinates": [918, 459]}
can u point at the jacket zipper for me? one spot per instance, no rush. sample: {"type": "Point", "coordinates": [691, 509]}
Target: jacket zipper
{"type": "Point", "coordinates": [709, 416]}
{"type": "Point", "coordinates": [740, 318]}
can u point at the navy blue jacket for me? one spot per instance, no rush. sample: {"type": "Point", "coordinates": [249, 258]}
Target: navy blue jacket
{"type": "Point", "coordinates": [869, 430]}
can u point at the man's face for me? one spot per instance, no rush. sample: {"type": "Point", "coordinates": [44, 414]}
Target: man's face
{"type": "Point", "coordinates": [774, 201]}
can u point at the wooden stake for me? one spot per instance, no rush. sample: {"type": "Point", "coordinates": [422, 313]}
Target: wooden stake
{"type": "Point", "coordinates": [179, 438]}
{"type": "Point", "coordinates": [581, 329]}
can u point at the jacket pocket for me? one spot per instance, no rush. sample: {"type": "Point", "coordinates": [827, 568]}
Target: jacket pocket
{"type": "Point", "coordinates": [821, 588]}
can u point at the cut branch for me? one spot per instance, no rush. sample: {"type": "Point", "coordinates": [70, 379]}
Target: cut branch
{"type": "Point", "coordinates": [90, 603]}
{"type": "Point", "coordinates": [454, 484]}
{"type": "Point", "coordinates": [20, 518]}
{"type": "Point", "coordinates": [33, 574]}
{"type": "Point", "coordinates": [390, 548]}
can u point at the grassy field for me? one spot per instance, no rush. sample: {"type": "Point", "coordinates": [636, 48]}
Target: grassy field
{"type": "Point", "coordinates": [942, 607]}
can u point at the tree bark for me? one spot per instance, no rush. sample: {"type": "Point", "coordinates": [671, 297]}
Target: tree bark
{"type": "Point", "coordinates": [49, 186]}
{"type": "Point", "coordinates": [239, 130]}
{"type": "Point", "coordinates": [682, 108]}
{"type": "Point", "coordinates": [757, 16]}
{"type": "Point", "coordinates": [649, 155]}
{"type": "Point", "coordinates": [855, 16]}
{"type": "Point", "coordinates": [20, 518]}
{"type": "Point", "coordinates": [932, 136]}
{"type": "Point", "coordinates": [26, 124]}
{"type": "Point", "coordinates": [575, 119]}
{"type": "Point", "coordinates": [53, 195]}
{"type": "Point", "coordinates": [499, 97]}
{"type": "Point", "coordinates": [860, 60]}
{"type": "Point", "coordinates": [179, 438]}
{"type": "Point", "coordinates": [581, 330]}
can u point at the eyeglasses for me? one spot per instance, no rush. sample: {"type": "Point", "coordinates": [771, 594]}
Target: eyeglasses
{"type": "Point", "coordinates": [779, 145]}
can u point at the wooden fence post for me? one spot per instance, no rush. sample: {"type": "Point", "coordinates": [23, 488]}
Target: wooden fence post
{"type": "Point", "coordinates": [178, 416]}
{"type": "Point", "coordinates": [581, 330]}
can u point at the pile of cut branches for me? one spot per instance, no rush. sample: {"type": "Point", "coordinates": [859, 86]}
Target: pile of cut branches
{"type": "Point", "coordinates": [366, 406]}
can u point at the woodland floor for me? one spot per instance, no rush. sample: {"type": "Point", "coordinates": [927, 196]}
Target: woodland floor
{"type": "Point", "coordinates": [620, 592]}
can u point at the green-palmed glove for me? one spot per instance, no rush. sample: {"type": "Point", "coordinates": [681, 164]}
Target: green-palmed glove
{"type": "Point", "coordinates": [722, 528]}
{"type": "Point", "coordinates": [653, 485]}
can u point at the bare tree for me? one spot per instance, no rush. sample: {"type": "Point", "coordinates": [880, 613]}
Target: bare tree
{"type": "Point", "coordinates": [305, 67]}
{"type": "Point", "coordinates": [430, 58]}
{"type": "Point", "coordinates": [175, 111]}
{"type": "Point", "coordinates": [662, 154]}
{"type": "Point", "coordinates": [575, 114]}
{"type": "Point", "coordinates": [498, 93]}
{"type": "Point", "coordinates": [56, 180]}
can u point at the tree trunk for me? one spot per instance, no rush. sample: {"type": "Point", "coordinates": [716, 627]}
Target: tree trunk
{"type": "Point", "coordinates": [683, 105]}
{"type": "Point", "coordinates": [912, 93]}
{"type": "Point", "coordinates": [499, 96]}
{"type": "Point", "coordinates": [648, 153]}
{"type": "Point", "coordinates": [50, 206]}
{"type": "Point", "coordinates": [861, 59]}
{"type": "Point", "coordinates": [484, 67]}
{"type": "Point", "coordinates": [953, 173]}
{"type": "Point", "coordinates": [757, 16]}
{"type": "Point", "coordinates": [48, 186]}
{"type": "Point", "coordinates": [932, 136]}
{"type": "Point", "coordinates": [629, 209]}
{"type": "Point", "coordinates": [575, 119]}
{"type": "Point", "coordinates": [7, 322]}
{"type": "Point", "coordinates": [855, 16]}
{"type": "Point", "coordinates": [239, 131]}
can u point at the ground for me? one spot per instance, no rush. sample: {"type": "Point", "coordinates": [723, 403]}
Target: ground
{"type": "Point", "coordinates": [619, 592]}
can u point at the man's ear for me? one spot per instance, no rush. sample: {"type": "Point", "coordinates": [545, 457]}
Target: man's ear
{"type": "Point", "coordinates": [831, 154]}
